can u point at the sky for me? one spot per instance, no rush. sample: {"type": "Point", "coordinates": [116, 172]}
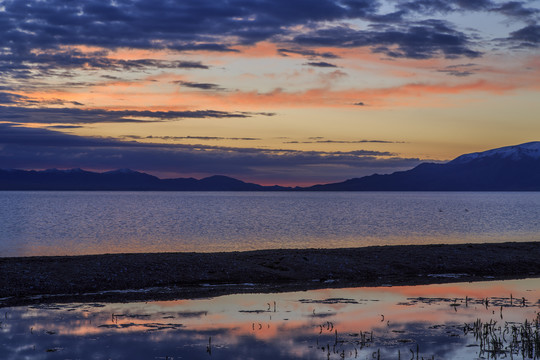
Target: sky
{"type": "Point", "coordinates": [289, 92]}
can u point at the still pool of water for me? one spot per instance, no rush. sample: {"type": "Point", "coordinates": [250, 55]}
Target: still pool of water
{"type": "Point", "coordinates": [74, 223]}
{"type": "Point", "coordinates": [452, 321]}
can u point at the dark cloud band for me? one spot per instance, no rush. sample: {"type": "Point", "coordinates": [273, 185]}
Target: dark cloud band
{"type": "Point", "coordinates": [92, 116]}
{"type": "Point", "coordinates": [41, 148]}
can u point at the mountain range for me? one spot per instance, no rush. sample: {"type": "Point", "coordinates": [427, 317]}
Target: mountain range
{"type": "Point", "coordinates": [511, 168]}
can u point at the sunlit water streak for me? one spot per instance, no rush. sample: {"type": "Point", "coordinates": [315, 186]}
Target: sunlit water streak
{"type": "Point", "coordinates": [357, 323]}
{"type": "Point", "coordinates": [70, 223]}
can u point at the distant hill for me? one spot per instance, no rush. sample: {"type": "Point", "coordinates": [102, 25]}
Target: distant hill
{"type": "Point", "coordinates": [123, 179]}
{"type": "Point", "coordinates": [511, 168]}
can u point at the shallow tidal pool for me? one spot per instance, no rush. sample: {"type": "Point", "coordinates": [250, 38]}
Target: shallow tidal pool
{"type": "Point", "coordinates": [482, 320]}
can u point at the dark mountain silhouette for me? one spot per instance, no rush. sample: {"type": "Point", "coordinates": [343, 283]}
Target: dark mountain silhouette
{"type": "Point", "coordinates": [123, 179]}
{"type": "Point", "coordinates": [511, 168]}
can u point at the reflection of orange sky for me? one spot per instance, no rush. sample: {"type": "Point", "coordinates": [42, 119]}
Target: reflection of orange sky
{"type": "Point", "coordinates": [233, 316]}
{"type": "Point", "coordinates": [91, 326]}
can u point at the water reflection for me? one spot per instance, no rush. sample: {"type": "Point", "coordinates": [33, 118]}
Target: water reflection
{"type": "Point", "coordinates": [430, 322]}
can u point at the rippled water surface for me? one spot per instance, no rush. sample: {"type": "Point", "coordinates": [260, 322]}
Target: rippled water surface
{"type": "Point", "coordinates": [60, 223]}
{"type": "Point", "coordinates": [409, 322]}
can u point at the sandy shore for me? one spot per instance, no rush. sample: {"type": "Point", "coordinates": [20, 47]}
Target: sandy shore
{"type": "Point", "coordinates": [159, 276]}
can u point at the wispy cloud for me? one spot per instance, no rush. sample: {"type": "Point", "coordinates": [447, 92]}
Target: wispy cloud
{"type": "Point", "coordinates": [308, 53]}
{"type": "Point", "coordinates": [201, 86]}
{"type": "Point", "coordinates": [322, 140]}
{"type": "Point", "coordinates": [322, 64]}
{"type": "Point", "coordinates": [461, 70]}
{"type": "Point", "coordinates": [154, 137]}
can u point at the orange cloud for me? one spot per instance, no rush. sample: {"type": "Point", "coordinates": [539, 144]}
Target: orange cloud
{"type": "Point", "coordinates": [404, 95]}
{"type": "Point", "coordinates": [138, 54]}
{"type": "Point", "coordinates": [157, 92]}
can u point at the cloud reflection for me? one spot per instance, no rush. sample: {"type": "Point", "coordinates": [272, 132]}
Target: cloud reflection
{"type": "Point", "coordinates": [331, 323]}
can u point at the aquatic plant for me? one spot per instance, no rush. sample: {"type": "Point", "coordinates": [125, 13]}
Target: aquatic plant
{"type": "Point", "coordinates": [510, 338]}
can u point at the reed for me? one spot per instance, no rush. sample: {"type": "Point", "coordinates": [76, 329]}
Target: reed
{"type": "Point", "coordinates": [523, 339]}
{"type": "Point", "coordinates": [209, 346]}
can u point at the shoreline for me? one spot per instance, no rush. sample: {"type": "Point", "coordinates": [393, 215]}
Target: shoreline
{"type": "Point", "coordinates": [169, 276]}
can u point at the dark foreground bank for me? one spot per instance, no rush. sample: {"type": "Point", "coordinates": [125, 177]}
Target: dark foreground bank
{"type": "Point", "coordinates": [160, 276]}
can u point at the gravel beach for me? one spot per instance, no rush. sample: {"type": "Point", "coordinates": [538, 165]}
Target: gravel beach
{"type": "Point", "coordinates": [166, 276]}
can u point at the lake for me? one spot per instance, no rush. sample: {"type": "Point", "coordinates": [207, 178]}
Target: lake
{"type": "Point", "coordinates": [74, 223]}
{"type": "Point", "coordinates": [484, 320]}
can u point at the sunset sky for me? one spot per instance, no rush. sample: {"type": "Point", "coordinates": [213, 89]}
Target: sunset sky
{"type": "Point", "coordinates": [291, 92]}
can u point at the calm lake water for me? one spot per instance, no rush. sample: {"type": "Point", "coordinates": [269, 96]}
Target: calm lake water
{"type": "Point", "coordinates": [70, 223]}
{"type": "Point", "coordinates": [408, 322]}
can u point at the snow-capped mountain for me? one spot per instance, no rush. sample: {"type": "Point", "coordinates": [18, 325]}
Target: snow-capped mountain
{"type": "Point", "coordinates": [510, 168]}
{"type": "Point", "coordinates": [516, 152]}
